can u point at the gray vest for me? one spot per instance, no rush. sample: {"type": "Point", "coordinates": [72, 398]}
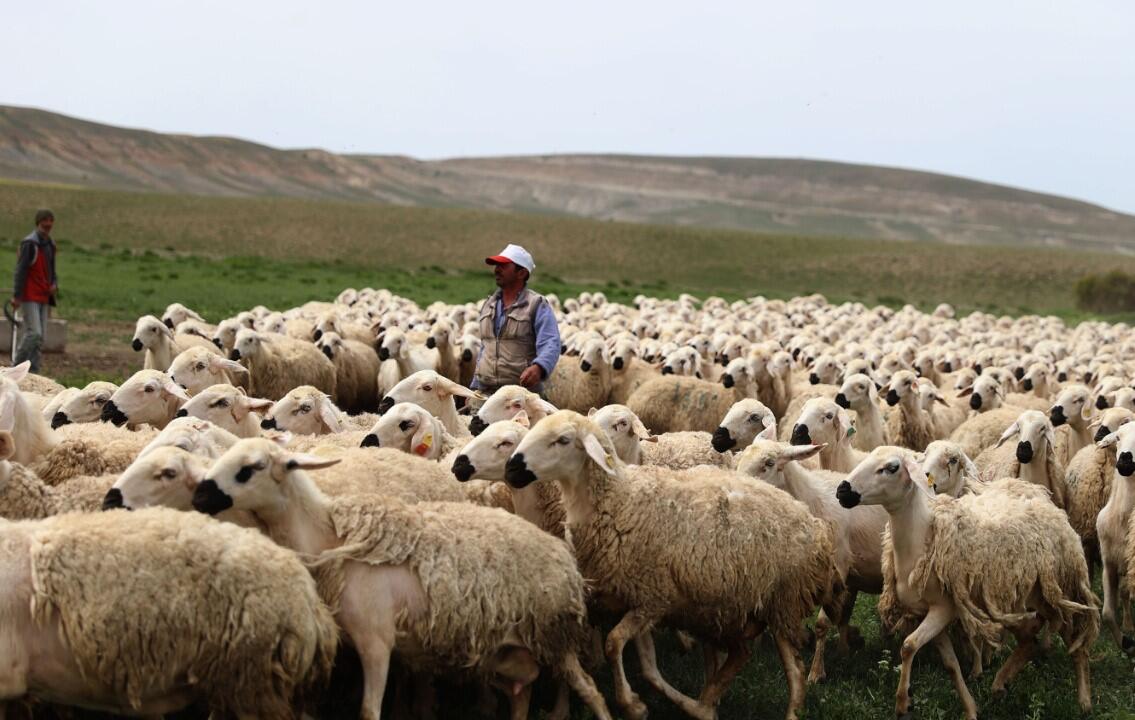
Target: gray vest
{"type": "Point", "coordinates": [504, 357]}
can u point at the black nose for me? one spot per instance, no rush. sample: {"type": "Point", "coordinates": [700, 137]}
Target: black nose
{"type": "Point", "coordinates": [169, 323]}
{"type": "Point", "coordinates": [137, 345]}
{"type": "Point", "coordinates": [1025, 452]}
{"type": "Point", "coordinates": [383, 354]}
{"type": "Point", "coordinates": [217, 342]}
{"type": "Point", "coordinates": [584, 366]}
{"type": "Point", "coordinates": [1056, 415]}
{"type": "Point", "coordinates": [234, 354]}
{"type": "Point", "coordinates": [208, 498]}
{"type": "Point", "coordinates": [462, 468]}
{"type": "Point", "coordinates": [846, 496]}
{"type": "Point", "coordinates": [181, 413]}
{"type": "Point", "coordinates": [948, 367]}
{"type": "Point", "coordinates": [618, 363]}
{"type": "Point", "coordinates": [1101, 403]}
{"type": "Point", "coordinates": [269, 423]}
{"type": "Point", "coordinates": [796, 354]}
{"type": "Point", "coordinates": [667, 370]}
{"type": "Point", "coordinates": [892, 397]}
{"type": "Point", "coordinates": [327, 352]}
{"type": "Point", "coordinates": [842, 401]}
{"type": "Point", "coordinates": [431, 343]}
{"type": "Point", "coordinates": [722, 440]}
{"type": "Point", "coordinates": [814, 379]}
{"type": "Point", "coordinates": [385, 404]}
{"type": "Point", "coordinates": [1061, 377]}
{"type": "Point", "coordinates": [111, 413]}
{"type": "Point", "coordinates": [371, 440]}
{"type": "Point", "coordinates": [977, 368]}
{"type": "Point", "coordinates": [1124, 464]}
{"type": "Point", "coordinates": [1019, 373]}
{"type": "Point", "coordinates": [316, 335]}
{"type": "Point", "coordinates": [466, 356]}
{"type": "Point", "coordinates": [516, 472]}
{"type": "Point", "coordinates": [1027, 384]}
{"type": "Point", "coordinates": [727, 380]}
{"type": "Point", "coordinates": [1101, 433]}
{"type": "Point", "coordinates": [113, 500]}
{"type": "Point", "coordinates": [800, 435]}
{"type": "Point", "coordinates": [975, 401]}
{"type": "Point", "coordinates": [477, 426]}
{"type": "Point", "coordinates": [58, 420]}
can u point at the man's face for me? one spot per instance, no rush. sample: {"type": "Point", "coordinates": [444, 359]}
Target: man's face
{"type": "Point", "coordinates": [507, 274]}
{"type": "Point", "coordinates": [46, 225]}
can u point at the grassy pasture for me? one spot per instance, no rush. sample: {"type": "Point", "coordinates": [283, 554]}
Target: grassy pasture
{"type": "Point", "coordinates": [125, 254]}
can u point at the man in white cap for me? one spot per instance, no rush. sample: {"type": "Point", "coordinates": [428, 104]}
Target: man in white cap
{"type": "Point", "coordinates": [519, 335]}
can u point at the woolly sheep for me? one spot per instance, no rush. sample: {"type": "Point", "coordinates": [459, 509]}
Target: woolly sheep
{"type": "Point", "coordinates": [52, 406]}
{"type": "Point", "coordinates": [305, 410]}
{"type": "Point", "coordinates": [147, 397]}
{"type": "Point", "coordinates": [193, 435]}
{"type": "Point", "coordinates": [676, 450]}
{"type": "Point", "coordinates": [82, 406]}
{"type": "Point", "coordinates": [480, 588]}
{"type": "Point", "coordinates": [39, 385]}
{"type": "Point", "coordinates": [629, 373]}
{"type": "Point", "coordinates": [983, 430]}
{"type": "Point", "coordinates": [81, 620]}
{"type": "Point", "coordinates": [160, 343]}
{"type": "Point", "coordinates": [395, 344]}
{"type": "Point", "coordinates": [745, 420]}
{"type": "Point", "coordinates": [197, 368]}
{"type": "Point", "coordinates": [910, 427]}
{"type": "Point", "coordinates": [505, 403]}
{"type": "Point", "coordinates": [985, 394]}
{"type": "Point", "coordinates": [1113, 528]}
{"type": "Point", "coordinates": [1088, 480]}
{"type": "Point", "coordinates": [227, 407]}
{"type": "Point", "coordinates": [858, 393]}
{"type": "Point", "coordinates": [33, 438]}
{"type": "Point", "coordinates": [24, 496]}
{"type": "Point", "coordinates": [1032, 570]}
{"type": "Point", "coordinates": [823, 422]}
{"type": "Point", "coordinates": [411, 429]}
{"type": "Point", "coordinates": [356, 372]}
{"type": "Point", "coordinates": [330, 322]}
{"type": "Point", "coordinates": [470, 351]}
{"type": "Point", "coordinates": [674, 575]}
{"type": "Point", "coordinates": [434, 392]}
{"type": "Point", "coordinates": [90, 449]}
{"type": "Point", "coordinates": [673, 403]}
{"type": "Point", "coordinates": [176, 313]}
{"type": "Point", "coordinates": [1070, 415]}
{"type": "Point", "coordinates": [583, 385]}
{"type": "Point", "coordinates": [948, 470]}
{"type": "Point", "coordinates": [1032, 459]}
{"type": "Point", "coordinates": [278, 363]}
{"type": "Point", "coordinates": [443, 336]}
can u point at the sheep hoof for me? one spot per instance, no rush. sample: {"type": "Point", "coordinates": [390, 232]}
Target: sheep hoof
{"type": "Point", "coordinates": [1128, 645]}
{"type": "Point", "coordinates": [635, 709]}
{"type": "Point", "coordinates": [908, 715]}
{"type": "Point", "coordinates": [999, 693]}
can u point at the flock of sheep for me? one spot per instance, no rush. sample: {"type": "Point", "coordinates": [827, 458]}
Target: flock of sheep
{"type": "Point", "coordinates": [721, 471]}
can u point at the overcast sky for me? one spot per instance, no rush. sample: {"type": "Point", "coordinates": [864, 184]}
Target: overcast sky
{"type": "Point", "coordinates": [1034, 94]}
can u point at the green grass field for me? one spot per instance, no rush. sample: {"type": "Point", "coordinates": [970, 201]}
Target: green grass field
{"type": "Point", "coordinates": [123, 255]}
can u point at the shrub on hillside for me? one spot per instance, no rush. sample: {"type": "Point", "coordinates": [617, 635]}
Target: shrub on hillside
{"type": "Point", "coordinates": [1106, 293]}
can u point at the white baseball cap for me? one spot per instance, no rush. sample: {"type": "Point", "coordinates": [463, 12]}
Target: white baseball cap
{"type": "Point", "coordinates": [513, 254]}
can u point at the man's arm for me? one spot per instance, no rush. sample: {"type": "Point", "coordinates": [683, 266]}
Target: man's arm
{"type": "Point", "coordinates": [23, 264]}
{"type": "Point", "coordinates": [548, 341]}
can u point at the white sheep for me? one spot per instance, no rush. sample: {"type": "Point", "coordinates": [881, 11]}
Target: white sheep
{"type": "Point", "coordinates": [412, 429]}
{"type": "Point", "coordinates": [583, 385]}
{"type": "Point", "coordinates": [1113, 528]}
{"type": "Point", "coordinates": [1071, 415]}
{"type": "Point", "coordinates": [823, 422]}
{"type": "Point", "coordinates": [983, 430]}
{"type": "Point", "coordinates": [147, 397]}
{"type": "Point", "coordinates": [197, 368]}
{"type": "Point", "coordinates": [1032, 459]}
{"type": "Point", "coordinates": [25, 496]}
{"type": "Point", "coordinates": [88, 450]}
{"type": "Point", "coordinates": [278, 363]}
{"type": "Point", "coordinates": [505, 403]}
{"type": "Point", "coordinates": [356, 372]}
{"type": "Point", "coordinates": [676, 450]}
{"type": "Point", "coordinates": [1031, 570]}
{"type": "Point", "coordinates": [859, 393]}
{"type": "Point", "coordinates": [745, 420]}
{"type": "Point", "coordinates": [176, 313]}
{"type": "Point", "coordinates": [1088, 480]}
{"type": "Point", "coordinates": [949, 471]}
{"type": "Point", "coordinates": [305, 410]}
{"type": "Point", "coordinates": [396, 344]}
{"type": "Point", "coordinates": [470, 350]}
{"type": "Point", "coordinates": [81, 406]}
{"type": "Point", "coordinates": [24, 420]}
{"type": "Point", "coordinates": [482, 589]}
{"type": "Point", "coordinates": [672, 403]}
{"type": "Point", "coordinates": [227, 407]}
{"type": "Point", "coordinates": [434, 392]}
{"type": "Point", "coordinates": [443, 337]}
{"type": "Point", "coordinates": [910, 427]}
{"type": "Point", "coordinates": [160, 343]}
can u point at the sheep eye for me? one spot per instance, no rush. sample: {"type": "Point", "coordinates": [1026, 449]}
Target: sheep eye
{"type": "Point", "coordinates": [100, 401]}
{"type": "Point", "coordinates": [829, 416]}
{"type": "Point", "coordinates": [305, 408]}
{"type": "Point", "coordinates": [770, 463]}
{"type": "Point", "coordinates": [169, 474]}
{"type": "Point", "coordinates": [149, 389]}
{"type": "Point", "coordinates": [504, 443]}
{"type": "Point", "coordinates": [563, 440]}
{"type": "Point", "coordinates": [754, 418]}
{"type": "Point", "coordinates": [199, 366]}
{"type": "Point", "coordinates": [405, 425]}
{"type": "Point", "coordinates": [428, 388]}
{"type": "Point", "coordinates": [953, 461]}
{"type": "Point", "coordinates": [892, 467]}
{"type": "Point", "coordinates": [223, 402]}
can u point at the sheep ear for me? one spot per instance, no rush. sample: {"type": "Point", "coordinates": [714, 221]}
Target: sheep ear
{"type": "Point", "coordinates": [303, 461]}
{"type": "Point", "coordinates": [445, 386]}
{"type": "Point", "coordinates": [424, 438]}
{"type": "Point", "coordinates": [1094, 424]}
{"type": "Point", "coordinates": [939, 399]}
{"type": "Point", "coordinates": [843, 425]}
{"type": "Point", "coordinates": [1108, 440]}
{"type": "Point", "coordinates": [541, 405]}
{"type": "Point", "coordinates": [522, 418]}
{"type": "Point", "coordinates": [16, 373]}
{"type": "Point", "coordinates": [916, 475]}
{"type": "Point", "coordinates": [640, 430]}
{"type": "Point", "coordinates": [218, 363]}
{"type": "Point", "coordinates": [329, 415]}
{"type": "Point", "coordinates": [798, 452]}
{"type": "Point", "coordinates": [172, 389]}
{"type": "Point", "coordinates": [7, 445]}
{"type": "Point", "coordinates": [1009, 432]}
{"type": "Point", "coordinates": [245, 405]}
{"type": "Point", "coordinates": [967, 391]}
{"type": "Point", "coordinates": [280, 438]}
{"type": "Point", "coordinates": [592, 411]}
{"type": "Point", "coordinates": [1049, 436]}
{"type": "Point", "coordinates": [596, 451]}
{"type": "Point", "coordinates": [769, 433]}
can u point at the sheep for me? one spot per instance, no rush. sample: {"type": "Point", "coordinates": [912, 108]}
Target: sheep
{"type": "Point", "coordinates": [909, 427]}
{"type": "Point", "coordinates": [356, 372]}
{"type": "Point", "coordinates": [329, 322]}
{"type": "Point", "coordinates": [505, 403]}
{"type": "Point", "coordinates": [1033, 459]}
{"type": "Point", "coordinates": [470, 351]}
{"type": "Point", "coordinates": [193, 435]}
{"type": "Point", "coordinates": [948, 470]}
{"type": "Point", "coordinates": [1032, 570]}
{"type": "Point", "coordinates": [672, 403]}
{"type": "Point", "coordinates": [81, 406]}
{"type": "Point", "coordinates": [1071, 415]}
{"type": "Point", "coordinates": [435, 393]}
{"type": "Point", "coordinates": [1113, 529]}
{"type": "Point", "coordinates": [227, 407]}
{"type": "Point", "coordinates": [858, 393]}
{"type": "Point", "coordinates": [443, 337]}
{"type": "Point", "coordinates": [91, 449]}
{"type": "Point", "coordinates": [197, 368]}
{"type": "Point", "coordinates": [484, 457]}
{"type": "Point", "coordinates": [823, 422]}
{"type": "Point", "coordinates": [1087, 479]}
{"type": "Point", "coordinates": [176, 313]}
{"type": "Point", "coordinates": [147, 397]}
{"type": "Point", "coordinates": [80, 625]}
{"type": "Point", "coordinates": [983, 430]}
{"type": "Point", "coordinates": [676, 575]}
{"type": "Point", "coordinates": [583, 385]}
{"type": "Point", "coordinates": [24, 496]}
{"type": "Point", "coordinates": [944, 417]}
{"type": "Point", "coordinates": [410, 428]}
{"type": "Point", "coordinates": [480, 588]}
{"type": "Point", "coordinates": [629, 373]}
{"type": "Point", "coordinates": [305, 410]}
{"type": "Point", "coordinates": [160, 343]}
{"type": "Point", "coordinates": [40, 385]}
{"type": "Point", "coordinates": [800, 397]}
{"type": "Point", "coordinates": [278, 363]}
{"type": "Point", "coordinates": [18, 416]}
{"type": "Point", "coordinates": [677, 450]}
{"type": "Point", "coordinates": [985, 394]}
{"type": "Point", "coordinates": [395, 344]}
{"type": "Point", "coordinates": [745, 420]}
{"type": "Point", "coordinates": [224, 338]}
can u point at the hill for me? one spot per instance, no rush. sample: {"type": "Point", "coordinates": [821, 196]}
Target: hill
{"type": "Point", "coordinates": [784, 196]}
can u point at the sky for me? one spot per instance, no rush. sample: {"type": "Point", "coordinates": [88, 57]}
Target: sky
{"type": "Point", "coordinates": [1039, 95]}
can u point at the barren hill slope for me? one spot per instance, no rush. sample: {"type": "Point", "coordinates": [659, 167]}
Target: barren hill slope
{"type": "Point", "coordinates": [801, 197]}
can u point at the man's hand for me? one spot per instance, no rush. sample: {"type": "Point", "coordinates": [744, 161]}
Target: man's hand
{"type": "Point", "coordinates": [531, 376]}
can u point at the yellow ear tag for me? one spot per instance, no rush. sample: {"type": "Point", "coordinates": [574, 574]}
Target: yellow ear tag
{"type": "Point", "coordinates": [930, 480]}
{"type": "Point", "coordinates": [424, 446]}
{"type": "Point", "coordinates": [610, 461]}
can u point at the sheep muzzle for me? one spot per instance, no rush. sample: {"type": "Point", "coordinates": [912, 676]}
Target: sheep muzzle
{"type": "Point", "coordinates": [893, 397]}
{"type": "Point", "coordinates": [801, 435]}
{"type": "Point", "coordinates": [1101, 403]}
{"type": "Point", "coordinates": [516, 472]}
{"type": "Point", "coordinates": [111, 413]}
{"type": "Point", "coordinates": [1024, 452]}
{"type": "Point", "coordinates": [462, 468]}
{"type": "Point", "coordinates": [137, 345]}
{"type": "Point", "coordinates": [210, 499]}
{"type": "Point", "coordinates": [846, 496]}
{"type": "Point", "coordinates": [59, 419]}
{"type": "Point", "coordinates": [814, 379]}
{"type": "Point", "coordinates": [842, 401]}
{"type": "Point", "coordinates": [113, 500]}
{"type": "Point", "coordinates": [182, 412]}
{"type": "Point", "coordinates": [727, 380]}
{"type": "Point", "coordinates": [371, 440]}
{"type": "Point", "coordinates": [975, 401]}
{"type": "Point", "coordinates": [618, 363]}
{"type": "Point", "coordinates": [1124, 464]}
{"type": "Point", "coordinates": [1056, 415]}
{"type": "Point", "coordinates": [385, 404]}
{"type": "Point", "coordinates": [477, 425]}
{"type": "Point", "coordinates": [722, 440]}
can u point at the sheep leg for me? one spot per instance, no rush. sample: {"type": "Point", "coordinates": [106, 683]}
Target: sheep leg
{"type": "Point", "coordinates": [739, 655]}
{"type": "Point", "coordinates": [823, 627]}
{"type": "Point", "coordinates": [519, 700]}
{"type": "Point", "coordinates": [794, 673]}
{"type": "Point", "coordinates": [584, 686]}
{"type": "Point", "coordinates": [562, 708]}
{"type": "Point", "coordinates": [1027, 646]}
{"type": "Point", "coordinates": [632, 624]}
{"type": "Point", "coordinates": [647, 658]}
{"type": "Point", "coordinates": [1110, 593]}
{"type": "Point", "coordinates": [375, 656]}
{"type": "Point", "coordinates": [848, 635]}
{"type": "Point", "coordinates": [936, 620]}
{"type": "Point", "coordinates": [950, 660]}
{"type": "Point", "coordinates": [709, 661]}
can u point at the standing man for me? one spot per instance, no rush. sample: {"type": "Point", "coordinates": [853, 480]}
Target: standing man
{"type": "Point", "coordinates": [35, 287]}
{"type": "Point", "coordinates": [519, 335]}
